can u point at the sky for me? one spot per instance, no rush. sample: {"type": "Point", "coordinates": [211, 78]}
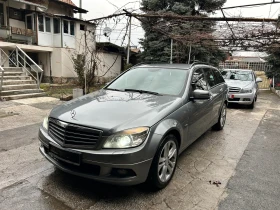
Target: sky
{"type": "Point", "coordinates": [100, 8]}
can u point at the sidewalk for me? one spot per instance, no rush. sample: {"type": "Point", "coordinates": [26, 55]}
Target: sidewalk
{"type": "Point", "coordinates": [256, 184]}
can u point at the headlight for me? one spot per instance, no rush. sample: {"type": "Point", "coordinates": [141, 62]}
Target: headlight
{"type": "Point", "coordinates": [246, 91]}
{"type": "Point", "coordinates": [127, 139]}
{"type": "Point", "coordinates": [46, 123]}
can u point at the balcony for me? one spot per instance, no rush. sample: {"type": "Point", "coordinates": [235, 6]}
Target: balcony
{"type": "Point", "coordinates": [18, 35]}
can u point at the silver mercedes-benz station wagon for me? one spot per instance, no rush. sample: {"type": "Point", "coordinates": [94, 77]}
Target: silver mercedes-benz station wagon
{"type": "Point", "coordinates": [243, 86]}
{"type": "Point", "coordinates": [133, 130]}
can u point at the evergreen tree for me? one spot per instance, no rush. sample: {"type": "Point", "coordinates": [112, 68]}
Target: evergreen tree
{"type": "Point", "coordinates": [274, 60]}
{"type": "Point", "coordinates": [158, 32]}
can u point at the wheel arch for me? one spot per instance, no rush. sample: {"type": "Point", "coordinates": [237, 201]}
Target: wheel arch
{"type": "Point", "coordinates": [170, 126]}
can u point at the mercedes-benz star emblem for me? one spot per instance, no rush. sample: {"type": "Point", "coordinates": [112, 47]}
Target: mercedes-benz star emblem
{"type": "Point", "coordinates": [73, 114]}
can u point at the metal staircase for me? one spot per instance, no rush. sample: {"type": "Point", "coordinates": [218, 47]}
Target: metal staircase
{"type": "Point", "coordinates": [21, 81]}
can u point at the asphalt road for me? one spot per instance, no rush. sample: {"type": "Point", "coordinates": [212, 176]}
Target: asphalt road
{"type": "Point", "coordinates": [28, 181]}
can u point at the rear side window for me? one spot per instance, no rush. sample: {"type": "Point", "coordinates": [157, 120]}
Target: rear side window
{"type": "Point", "coordinates": [211, 78]}
{"type": "Point", "coordinates": [219, 77]}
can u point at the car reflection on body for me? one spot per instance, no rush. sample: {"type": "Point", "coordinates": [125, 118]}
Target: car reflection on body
{"type": "Point", "coordinates": [243, 86]}
{"type": "Point", "coordinates": [133, 130]}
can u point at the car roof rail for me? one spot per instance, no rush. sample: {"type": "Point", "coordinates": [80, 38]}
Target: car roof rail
{"type": "Point", "coordinates": [199, 62]}
{"type": "Point", "coordinates": [148, 62]}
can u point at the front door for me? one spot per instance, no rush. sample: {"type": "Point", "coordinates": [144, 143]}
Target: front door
{"type": "Point", "coordinates": [199, 111]}
{"type": "Point", "coordinates": [216, 88]}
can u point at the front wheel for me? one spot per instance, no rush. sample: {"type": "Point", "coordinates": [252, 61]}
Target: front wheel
{"type": "Point", "coordinates": [164, 164]}
{"type": "Point", "coordinates": [252, 105]}
{"type": "Point", "coordinates": [222, 119]}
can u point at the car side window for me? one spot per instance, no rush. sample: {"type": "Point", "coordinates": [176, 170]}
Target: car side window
{"type": "Point", "coordinates": [211, 78]}
{"type": "Point", "coordinates": [219, 76]}
{"type": "Point", "coordinates": [199, 80]}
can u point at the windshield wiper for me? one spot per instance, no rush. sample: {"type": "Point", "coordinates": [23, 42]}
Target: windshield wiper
{"type": "Point", "coordinates": [143, 91]}
{"type": "Point", "coordinates": [113, 89]}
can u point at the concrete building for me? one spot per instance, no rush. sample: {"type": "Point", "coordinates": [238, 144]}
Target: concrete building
{"type": "Point", "coordinates": [37, 41]}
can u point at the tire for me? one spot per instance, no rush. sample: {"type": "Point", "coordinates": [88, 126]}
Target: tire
{"type": "Point", "coordinates": [222, 119]}
{"type": "Point", "coordinates": [252, 105]}
{"type": "Point", "coordinates": [158, 179]}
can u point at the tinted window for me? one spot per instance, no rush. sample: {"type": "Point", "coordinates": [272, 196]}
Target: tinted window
{"type": "Point", "coordinates": [41, 22]}
{"type": "Point", "coordinates": [211, 78]}
{"type": "Point", "coordinates": [48, 24]}
{"type": "Point", "coordinates": [56, 26]}
{"type": "Point", "coordinates": [160, 80]}
{"type": "Point", "coordinates": [219, 77]}
{"type": "Point", "coordinates": [199, 80]}
{"type": "Point", "coordinates": [72, 28]}
{"type": "Point", "coordinates": [66, 28]}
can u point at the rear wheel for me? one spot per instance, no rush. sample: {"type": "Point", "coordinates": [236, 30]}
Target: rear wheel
{"type": "Point", "coordinates": [222, 119]}
{"type": "Point", "coordinates": [164, 164]}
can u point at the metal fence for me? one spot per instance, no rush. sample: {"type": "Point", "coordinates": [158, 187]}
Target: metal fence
{"type": "Point", "coordinates": [255, 66]}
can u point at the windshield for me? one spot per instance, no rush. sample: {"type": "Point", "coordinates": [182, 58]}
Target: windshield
{"type": "Point", "coordinates": [238, 75]}
{"type": "Point", "coordinates": [157, 80]}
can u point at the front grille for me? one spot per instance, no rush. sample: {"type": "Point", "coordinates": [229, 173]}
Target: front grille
{"type": "Point", "coordinates": [73, 136]}
{"type": "Point", "coordinates": [234, 90]}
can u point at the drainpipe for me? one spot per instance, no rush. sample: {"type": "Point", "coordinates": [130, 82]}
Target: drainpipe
{"type": "Point", "coordinates": [50, 57]}
{"type": "Point", "coordinates": [61, 31]}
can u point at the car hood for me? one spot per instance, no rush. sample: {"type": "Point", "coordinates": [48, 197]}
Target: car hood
{"type": "Point", "coordinates": [113, 111]}
{"type": "Point", "coordinates": [239, 83]}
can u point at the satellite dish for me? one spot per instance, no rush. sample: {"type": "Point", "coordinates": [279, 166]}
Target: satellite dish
{"type": "Point", "coordinates": [107, 31]}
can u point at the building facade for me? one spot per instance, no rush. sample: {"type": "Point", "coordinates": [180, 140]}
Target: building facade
{"type": "Point", "coordinates": [46, 32]}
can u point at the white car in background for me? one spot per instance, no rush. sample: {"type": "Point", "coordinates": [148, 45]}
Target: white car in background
{"type": "Point", "coordinates": [243, 86]}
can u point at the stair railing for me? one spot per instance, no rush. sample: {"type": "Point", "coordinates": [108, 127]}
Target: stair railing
{"type": "Point", "coordinates": [1, 79]}
{"type": "Point", "coordinates": [21, 56]}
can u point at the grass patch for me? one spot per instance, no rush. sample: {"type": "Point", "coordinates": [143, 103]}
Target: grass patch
{"type": "Point", "coordinates": [60, 90]}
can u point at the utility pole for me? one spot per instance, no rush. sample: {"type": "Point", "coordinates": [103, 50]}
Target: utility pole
{"type": "Point", "coordinates": [85, 64]}
{"type": "Point", "coordinates": [190, 52]}
{"type": "Point", "coordinates": [129, 39]}
{"type": "Point", "coordinates": [171, 53]}
{"type": "Point", "coordinates": [81, 7]}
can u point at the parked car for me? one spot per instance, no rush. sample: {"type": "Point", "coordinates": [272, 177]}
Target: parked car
{"type": "Point", "coordinates": [243, 86]}
{"type": "Point", "coordinates": [133, 130]}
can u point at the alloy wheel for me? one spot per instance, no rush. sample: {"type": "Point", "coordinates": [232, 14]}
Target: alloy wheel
{"type": "Point", "coordinates": [167, 161]}
{"type": "Point", "coordinates": [223, 116]}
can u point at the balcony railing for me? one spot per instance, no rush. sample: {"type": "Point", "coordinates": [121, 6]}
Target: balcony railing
{"type": "Point", "coordinates": [18, 35]}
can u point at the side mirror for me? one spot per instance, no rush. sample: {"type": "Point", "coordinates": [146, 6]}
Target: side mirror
{"type": "Point", "coordinates": [201, 95]}
{"type": "Point", "coordinates": [258, 80]}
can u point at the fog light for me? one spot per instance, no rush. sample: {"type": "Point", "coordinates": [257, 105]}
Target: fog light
{"type": "Point", "coordinates": [120, 172]}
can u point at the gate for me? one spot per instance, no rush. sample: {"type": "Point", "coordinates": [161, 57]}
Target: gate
{"type": "Point", "coordinates": [258, 67]}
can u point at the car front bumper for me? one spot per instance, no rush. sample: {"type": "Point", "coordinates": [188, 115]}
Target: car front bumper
{"type": "Point", "coordinates": [102, 165]}
{"type": "Point", "coordinates": [241, 98]}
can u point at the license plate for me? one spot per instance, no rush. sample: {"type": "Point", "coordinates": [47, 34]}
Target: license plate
{"type": "Point", "coordinates": [65, 155]}
{"type": "Point", "coordinates": [231, 96]}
